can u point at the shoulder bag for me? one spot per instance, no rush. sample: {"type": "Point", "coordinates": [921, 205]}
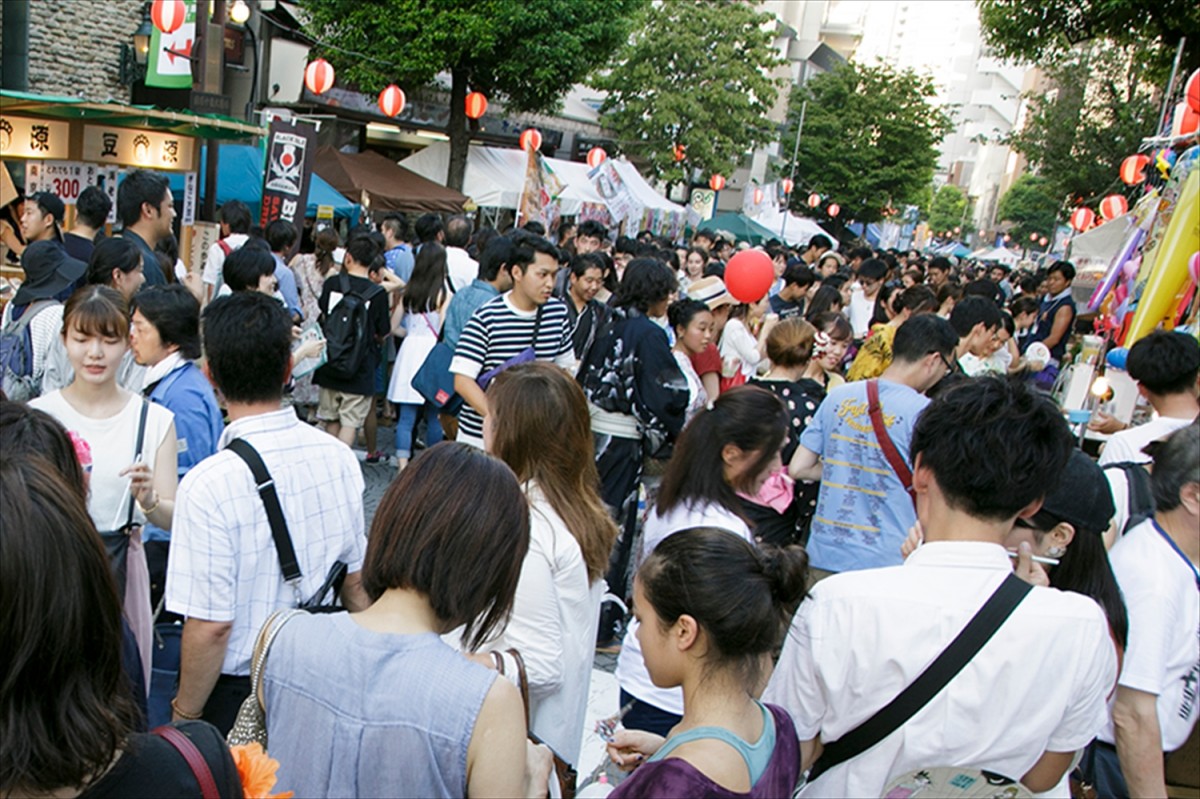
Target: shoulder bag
{"type": "Point", "coordinates": [565, 773]}
{"type": "Point", "coordinates": [894, 458]}
{"type": "Point", "coordinates": [937, 675]}
{"type": "Point", "coordinates": [250, 726]}
{"type": "Point", "coordinates": [193, 757]}
{"type": "Point", "coordinates": [524, 356]}
{"type": "Point", "coordinates": [116, 542]}
{"type": "Point", "coordinates": [434, 381]}
{"type": "Point", "coordinates": [284, 550]}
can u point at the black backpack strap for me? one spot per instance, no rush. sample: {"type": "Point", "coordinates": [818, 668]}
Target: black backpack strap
{"type": "Point", "coordinates": [137, 452]}
{"type": "Point", "coordinates": [936, 676]}
{"type": "Point", "coordinates": [1140, 499]}
{"type": "Point", "coordinates": [270, 499]}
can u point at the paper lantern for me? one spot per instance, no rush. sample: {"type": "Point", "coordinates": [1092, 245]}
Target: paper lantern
{"type": "Point", "coordinates": [1133, 169]}
{"type": "Point", "coordinates": [596, 156]}
{"type": "Point", "coordinates": [1187, 120]}
{"type": "Point", "coordinates": [1082, 219]}
{"type": "Point", "coordinates": [318, 76]}
{"type": "Point", "coordinates": [787, 185]}
{"type": "Point", "coordinates": [814, 200]}
{"type": "Point", "coordinates": [476, 105]}
{"type": "Point", "coordinates": [531, 139]}
{"type": "Point", "coordinates": [1033, 237]}
{"type": "Point", "coordinates": [391, 100]}
{"type": "Point", "coordinates": [1191, 94]}
{"type": "Point", "coordinates": [168, 15]}
{"type": "Point", "coordinates": [758, 196]}
{"type": "Point", "coordinates": [680, 152]}
{"type": "Point", "coordinates": [1043, 241]}
{"type": "Point", "coordinates": [749, 275]}
{"type": "Point", "coordinates": [1113, 206]}
{"type": "Point", "coordinates": [834, 209]}
{"type": "Point", "coordinates": [716, 182]}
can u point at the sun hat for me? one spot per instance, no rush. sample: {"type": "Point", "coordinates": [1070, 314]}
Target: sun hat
{"type": "Point", "coordinates": [1083, 498]}
{"type": "Point", "coordinates": [48, 271]}
{"type": "Point", "coordinates": [710, 291]}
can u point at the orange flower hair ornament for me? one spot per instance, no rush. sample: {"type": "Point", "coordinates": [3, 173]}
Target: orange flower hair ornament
{"type": "Point", "coordinates": [257, 771]}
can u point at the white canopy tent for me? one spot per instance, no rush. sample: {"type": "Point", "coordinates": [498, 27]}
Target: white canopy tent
{"type": "Point", "coordinates": [999, 254]}
{"type": "Point", "coordinates": [796, 231]}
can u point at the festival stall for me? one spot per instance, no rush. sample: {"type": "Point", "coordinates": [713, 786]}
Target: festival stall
{"type": "Point", "coordinates": [239, 177]}
{"type": "Point", "coordinates": [384, 185]}
{"type": "Point", "coordinates": [999, 255]}
{"type": "Point", "coordinates": [795, 230]}
{"type": "Point", "coordinates": [738, 227]}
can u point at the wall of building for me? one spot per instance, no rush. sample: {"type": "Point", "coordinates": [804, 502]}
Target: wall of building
{"type": "Point", "coordinates": [75, 47]}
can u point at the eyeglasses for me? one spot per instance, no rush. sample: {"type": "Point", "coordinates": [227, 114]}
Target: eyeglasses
{"type": "Point", "coordinates": [946, 362]}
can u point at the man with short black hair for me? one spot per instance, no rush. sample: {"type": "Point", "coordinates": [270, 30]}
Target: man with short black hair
{"type": "Point", "coordinates": [875, 355]}
{"type": "Point", "coordinates": [585, 313]}
{"type": "Point", "coordinates": [818, 245]}
{"type": "Point", "coordinates": [592, 236]}
{"type": "Point", "coordinates": [871, 276]}
{"type": "Point", "coordinates": [624, 251]}
{"type": "Point", "coordinates": [984, 455]}
{"type": "Point", "coordinates": [1057, 312]}
{"type": "Point", "coordinates": [429, 228]}
{"type": "Point", "coordinates": [235, 221]}
{"type": "Point", "coordinates": [91, 212]}
{"type": "Point", "coordinates": [864, 508]}
{"type": "Point", "coordinates": [705, 239]}
{"type": "Point", "coordinates": [461, 268]}
{"type": "Point", "coordinates": [397, 254]}
{"type": "Point", "coordinates": [976, 321]}
{"type": "Point", "coordinates": [998, 274]}
{"type": "Point", "coordinates": [281, 236]}
{"type": "Point", "coordinates": [789, 302]}
{"type": "Point", "coordinates": [938, 272]}
{"type": "Point", "coordinates": [42, 218]}
{"type": "Point", "coordinates": [224, 572]}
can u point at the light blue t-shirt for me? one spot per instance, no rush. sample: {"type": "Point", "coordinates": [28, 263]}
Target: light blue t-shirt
{"type": "Point", "coordinates": [863, 512]}
{"type": "Point", "coordinates": [400, 260]}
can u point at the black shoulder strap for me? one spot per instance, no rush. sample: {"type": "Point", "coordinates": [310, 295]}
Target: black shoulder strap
{"type": "Point", "coordinates": [137, 451]}
{"type": "Point", "coordinates": [936, 676]}
{"type": "Point", "coordinates": [537, 326]}
{"type": "Point", "coordinates": [266, 490]}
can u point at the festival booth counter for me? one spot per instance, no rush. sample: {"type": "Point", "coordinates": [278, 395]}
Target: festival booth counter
{"type": "Point", "coordinates": [65, 144]}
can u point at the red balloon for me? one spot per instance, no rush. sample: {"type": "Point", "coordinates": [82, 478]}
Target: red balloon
{"type": "Point", "coordinates": [749, 275]}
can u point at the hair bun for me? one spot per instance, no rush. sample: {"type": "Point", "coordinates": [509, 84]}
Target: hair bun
{"type": "Point", "coordinates": [786, 572]}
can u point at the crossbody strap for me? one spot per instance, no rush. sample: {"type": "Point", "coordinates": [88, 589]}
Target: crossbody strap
{"type": "Point", "coordinates": [894, 459]}
{"type": "Point", "coordinates": [936, 676]}
{"type": "Point", "coordinates": [270, 499]}
{"type": "Point", "coordinates": [537, 327]}
{"type": "Point", "coordinates": [137, 452]}
{"type": "Point", "coordinates": [195, 760]}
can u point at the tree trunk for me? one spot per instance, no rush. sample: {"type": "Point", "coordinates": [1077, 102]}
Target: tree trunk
{"type": "Point", "coordinates": [460, 137]}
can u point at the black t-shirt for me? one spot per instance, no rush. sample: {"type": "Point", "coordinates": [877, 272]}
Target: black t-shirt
{"type": "Point", "coordinates": [787, 309]}
{"type": "Point", "coordinates": [151, 767]}
{"type": "Point", "coordinates": [78, 247]}
{"type": "Point", "coordinates": [378, 325]}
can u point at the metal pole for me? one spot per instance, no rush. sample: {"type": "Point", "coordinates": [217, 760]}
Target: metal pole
{"type": "Point", "coordinates": [1164, 121]}
{"type": "Point", "coordinates": [792, 175]}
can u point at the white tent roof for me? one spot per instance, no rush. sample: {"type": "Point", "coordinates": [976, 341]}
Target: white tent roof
{"type": "Point", "coordinates": [1001, 254]}
{"type": "Point", "coordinates": [496, 175]}
{"type": "Point", "coordinates": [642, 191]}
{"type": "Point", "coordinates": [797, 230]}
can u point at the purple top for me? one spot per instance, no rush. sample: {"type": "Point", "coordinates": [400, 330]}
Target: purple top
{"type": "Point", "coordinates": [674, 778]}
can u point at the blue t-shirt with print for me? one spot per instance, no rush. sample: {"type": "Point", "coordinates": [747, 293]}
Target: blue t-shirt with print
{"type": "Point", "coordinates": [863, 512]}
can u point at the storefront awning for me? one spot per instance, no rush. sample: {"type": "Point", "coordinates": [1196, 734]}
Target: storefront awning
{"type": "Point", "coordinates": [184, 123]}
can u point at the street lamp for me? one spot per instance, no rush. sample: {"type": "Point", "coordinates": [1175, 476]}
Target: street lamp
{"type": "Point", "coordinates": [239, 12]}
{"type": "Point", "coordinates": [133, 59]}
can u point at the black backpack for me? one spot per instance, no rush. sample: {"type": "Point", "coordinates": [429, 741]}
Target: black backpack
{"type": "Point", "coordinates": [1141, 494]}
{"type": "Point", "coordinates": [348, 336]}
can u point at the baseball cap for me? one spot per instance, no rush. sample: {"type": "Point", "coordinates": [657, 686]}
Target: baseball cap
{"type": "Point", "coordinates": [1083, 498]}
{"type": "Point", "coordinates": [49, 203]}
{"type": "Point", "coordinates": [710, 291]}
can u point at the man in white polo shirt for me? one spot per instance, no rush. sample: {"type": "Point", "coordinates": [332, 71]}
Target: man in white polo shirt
{"type": "Point", "coordinates": [984, 453]}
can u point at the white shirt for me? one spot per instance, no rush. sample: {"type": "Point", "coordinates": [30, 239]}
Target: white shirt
{"type": "Point", "coordinates": [213, 265]}
{"type": "Point", "coordinates": [739, 346]}
{"type": "Point", "coordinates": [223, 565]}
{"type": "Point", "coordinates": [1040, 684]}
{"type": "Point", "coordinates": [1127, 444]}
{"type": "Point", "coordinates": [631, 668]}
{"type": "Point", "coordinates": [1163, 656]}
{"type": "Point", "coordinates": [697, 396]}
{"type": "Point", "coordinates": [553, 626]}
{"type": "Point", "coordinates": [860, 312]}
{"type": "Point", "coordinates": [461, 268]}
{"type": "Point", "coordinates": [45, 331]}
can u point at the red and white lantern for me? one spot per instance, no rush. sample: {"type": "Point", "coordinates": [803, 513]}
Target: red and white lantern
{"type": "Point", "coordinates": [1033, 237]}
{"type": "Point", "coordinates": [391, 100]}
{"type": "Point", "coordinates": [1082, 219]}
{"type": "Point", "coordinates": [758, 196]}
{"type": "Point", "coordinates": [1113, 205]}
{"type": "Point", "coordinates": [680, 152]}
{"type": "Point", "coordinates": [318, 76]}
{"type": "Point", "coordinates": [596, 156]}
{"type": "Point", "coordinates": [168, 15]}
{"type": "Point", "coordinates": [476, 104]}
{"type": "Point", "coordinates": [716, 182]}
{"type": "Point", "coordinates": [531, 139]}
{"type": "Point", "coordinates": [1133, 169]}
{"type": "Point", "coordinates": [834, 209]}
{"type": "Point", "coordinates": [787, 185]}
{"type": "Point", "coordinates": [1043, 241]}
{"type": "Point", "coordinates": [814, 200]}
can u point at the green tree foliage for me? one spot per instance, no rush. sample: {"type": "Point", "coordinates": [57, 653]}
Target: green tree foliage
{"type": "Point", "coordinates": [1077, 134]}
{"type": "Point", "coordinates": [1030, 206]}
{"type": "Point", "coordinates": [870, 139]}
{"type": "Point", "coordinates": [948, 209]}
{"type": "Point", "coordinates": [528, 52]}
{"type": "Point", "coordinates": [694, 74]}
{"type": "Point", "coordinates": [1046, 31]}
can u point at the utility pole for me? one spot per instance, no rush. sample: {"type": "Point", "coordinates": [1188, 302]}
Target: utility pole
{"type": "Point", "coordinates": [792, 175]}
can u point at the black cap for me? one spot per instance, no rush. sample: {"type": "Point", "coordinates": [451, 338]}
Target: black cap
{"type": "Point", "coordinates": [49, 202]}
{"type": "Point", "coordinates": [1082, 498]}
{"type": "Point", "coordinates": [48, 271]}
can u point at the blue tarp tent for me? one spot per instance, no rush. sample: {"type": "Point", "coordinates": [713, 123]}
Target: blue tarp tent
{"type": "Point", "coordinates": [873, 235]}
{"type": "Point", "coordinates": [240, 177]}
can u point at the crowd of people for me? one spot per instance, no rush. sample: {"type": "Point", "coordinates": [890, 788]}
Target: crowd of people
{"type": "Point", "coordinates": [787, 516]}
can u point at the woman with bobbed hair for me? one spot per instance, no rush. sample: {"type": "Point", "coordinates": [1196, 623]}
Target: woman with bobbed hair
{"type": "Point", "coordinates": [67, 717]}
{"type": "Point", "coordinates": [715, 644]}
{"type": "Point", "coordinates": [117, 262]}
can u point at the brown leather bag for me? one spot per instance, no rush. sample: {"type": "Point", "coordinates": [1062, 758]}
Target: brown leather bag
{"type": "Point", "coordinates": [568, 778]}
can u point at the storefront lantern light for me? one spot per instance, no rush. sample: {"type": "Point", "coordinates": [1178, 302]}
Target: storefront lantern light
{"type": "Point", "coordinates": [141, 39]}
{"type": "Point", "coordinates": [239, 12]}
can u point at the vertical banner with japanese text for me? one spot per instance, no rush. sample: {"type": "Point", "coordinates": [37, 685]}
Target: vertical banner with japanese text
{"type": "Point", "coordinates": [291, 149]}
{"type": "Point", "coordinates": [169, 62]}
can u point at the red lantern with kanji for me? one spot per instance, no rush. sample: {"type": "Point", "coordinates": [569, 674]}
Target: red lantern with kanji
{"type": "Point", "coordinates": [814, 200]}
{"type": "Point", "coordinates": [476, 105]}
{"type": "Point", "coordinates": [1133, 169]}
{"type": "Point", "coordinates": [834, 209]}
{"type": "Point", "coordinates": [168, 15]}
{"type": "Point", "coordinates": [1113, 206]}
{"type": "Point", "coordinates": [1082, 219]}
{"type": "Point", "coordinates": [318, 76]}
{"type": "Point", "coordinates": [758, 196]}
{"type": "Point", "coordinates": [716, 182]}
{"type": "Point", "coordinates": [596, 156]}
{"type": "Point", "coordinates": [531, 139]}
{"type": "Point", "coordinates": [787, 185]}
{"type": "Point", "coordinates": [391, 100]}
{"type": "Point", "coordinates": [680, 152]}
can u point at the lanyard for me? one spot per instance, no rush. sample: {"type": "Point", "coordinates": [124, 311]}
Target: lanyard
{"type": "Point", "coordinates": [1178, 551]}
